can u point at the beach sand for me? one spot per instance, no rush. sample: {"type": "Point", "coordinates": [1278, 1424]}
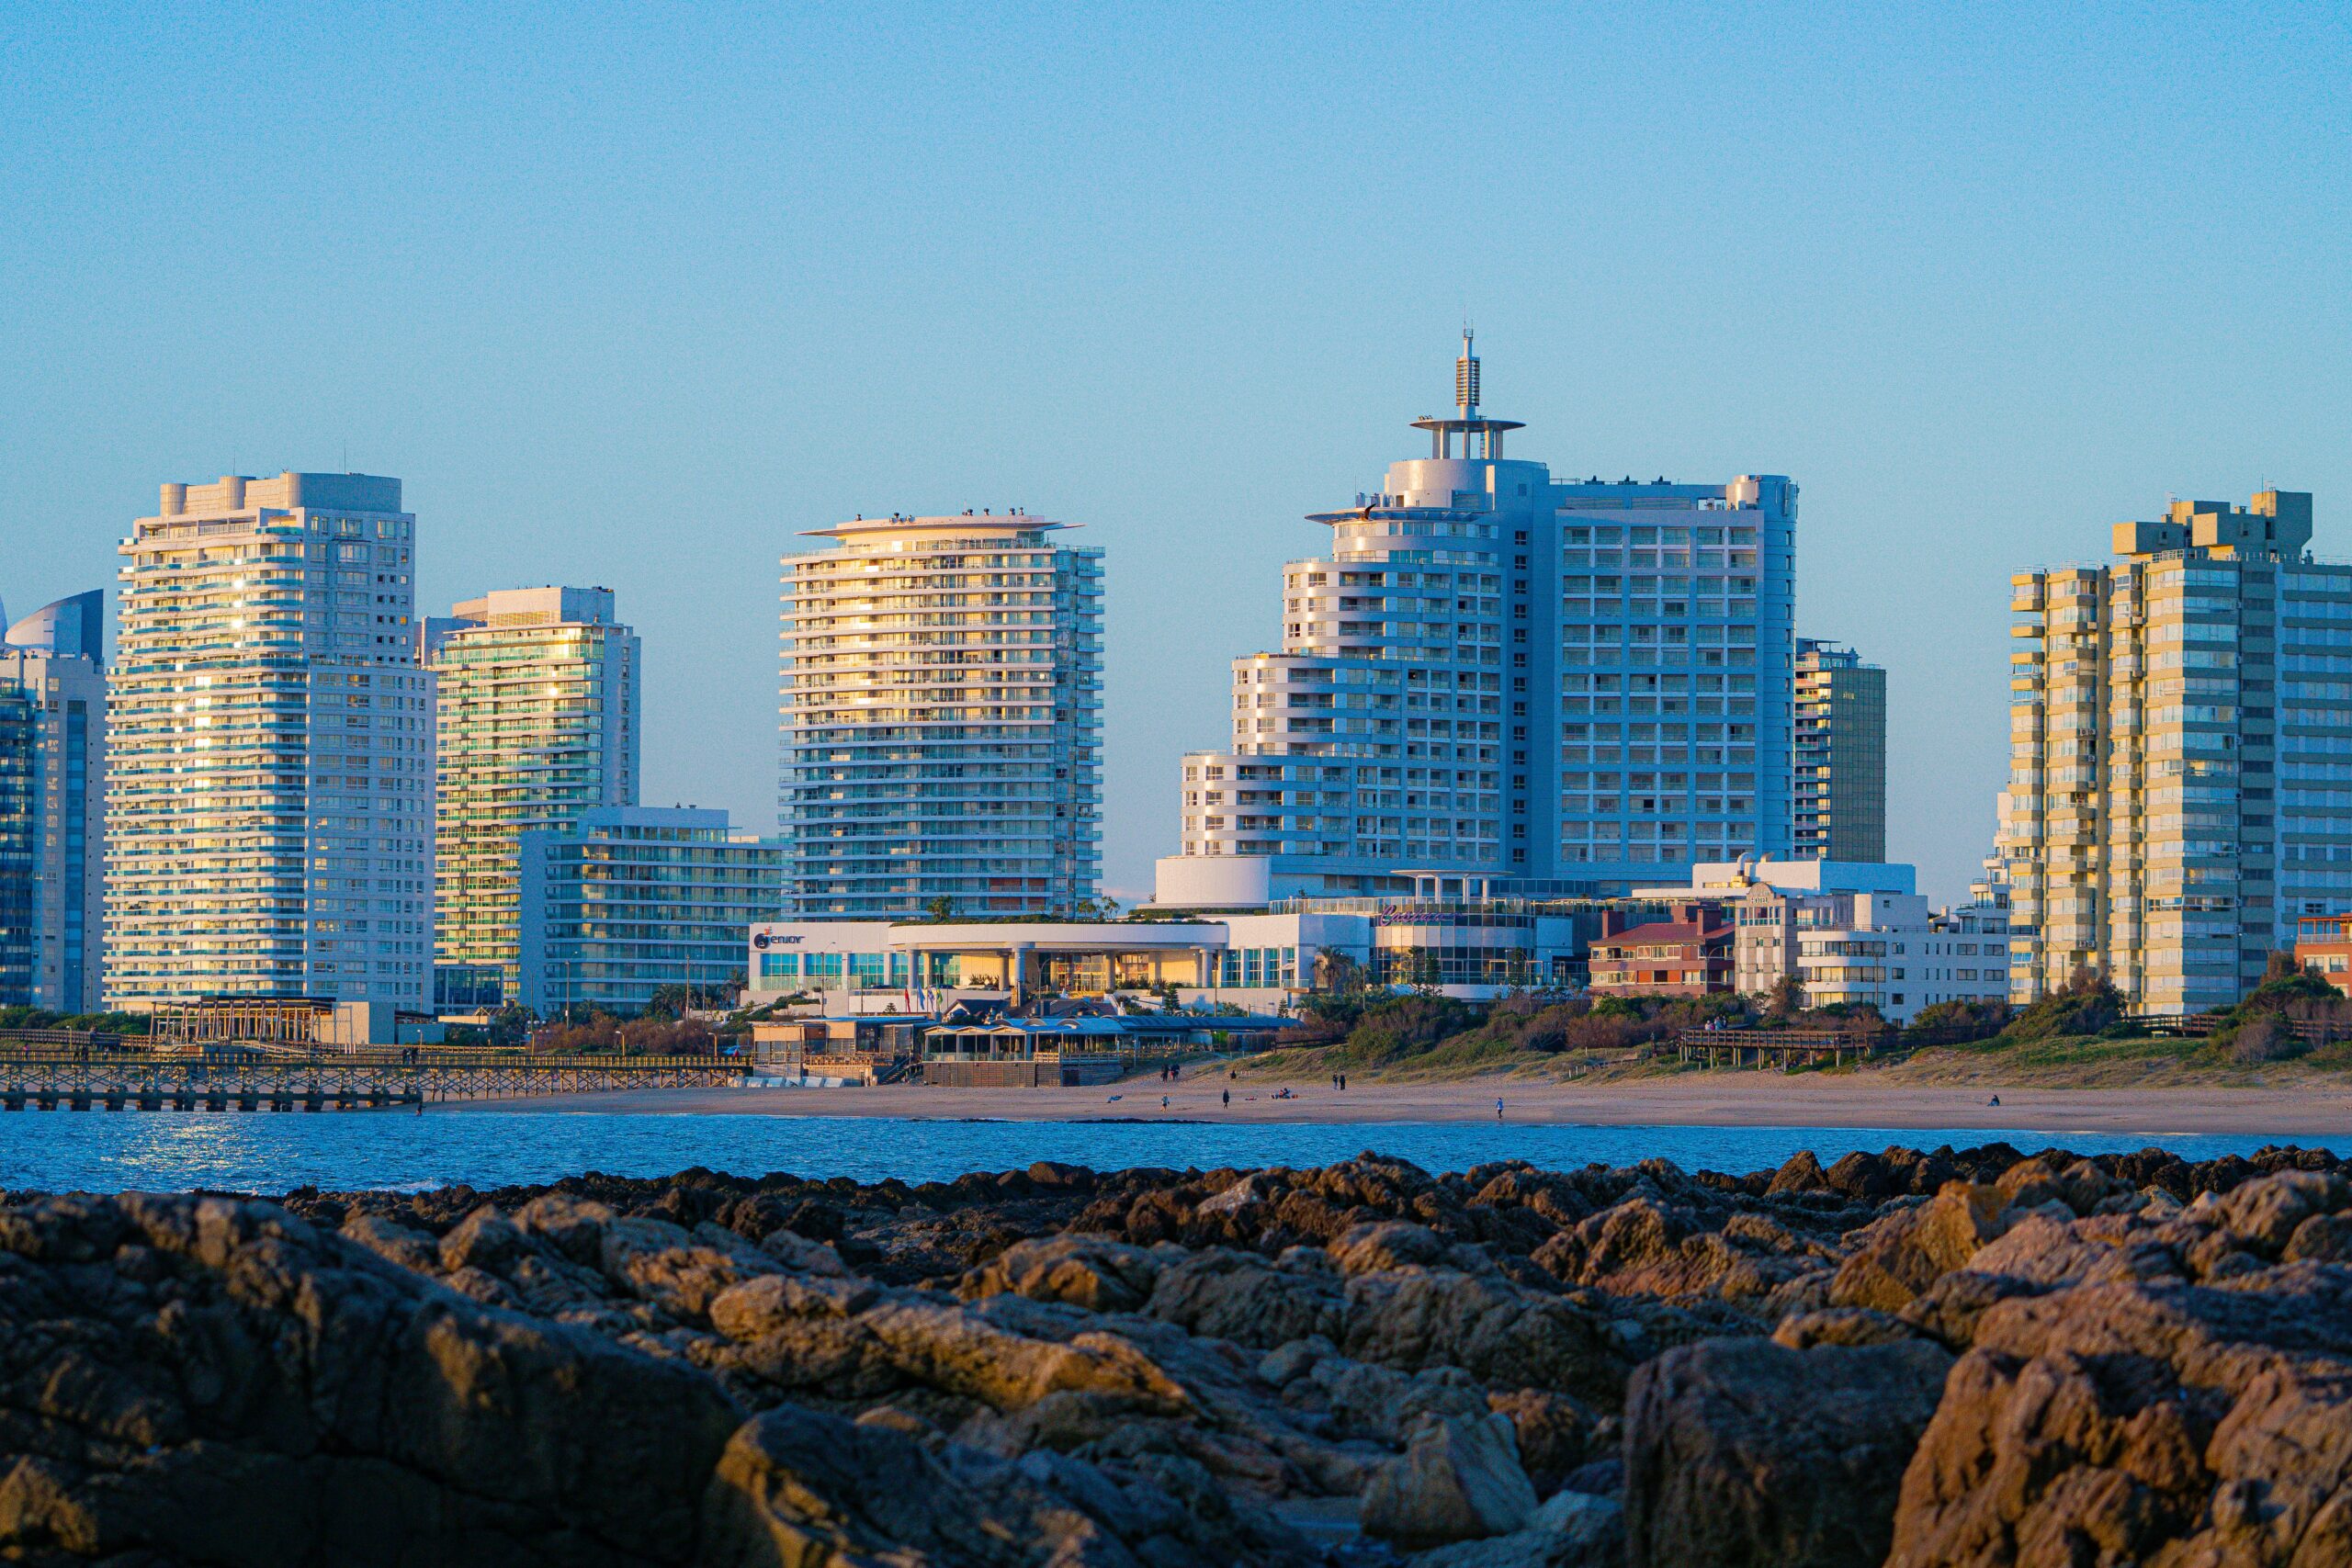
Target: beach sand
{"type": "Point", "coordinates": [1718, 1099]}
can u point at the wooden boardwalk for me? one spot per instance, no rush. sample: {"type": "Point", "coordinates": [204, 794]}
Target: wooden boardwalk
{"type": "Point", "coordinates": [48, 1079]}
{"type": "Point", "coordinates": [1782, 1048]}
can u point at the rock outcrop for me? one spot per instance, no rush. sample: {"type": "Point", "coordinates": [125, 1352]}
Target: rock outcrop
{"type": "Point", "coordinates": [1954, 1356]}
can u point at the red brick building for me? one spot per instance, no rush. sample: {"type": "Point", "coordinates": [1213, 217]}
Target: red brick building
{"type": "Point", "coordinates": [2324, 945]}
{"type": "Point", "coordinates": [1688, 955]}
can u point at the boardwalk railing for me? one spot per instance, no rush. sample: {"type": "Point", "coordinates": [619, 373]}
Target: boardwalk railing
{"type": "Point", "coordinates": [119, 1080]}
{"type": "Point", "coordinates": [1777, 1048]}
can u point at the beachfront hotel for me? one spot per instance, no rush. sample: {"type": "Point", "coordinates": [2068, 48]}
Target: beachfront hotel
{"type": "Point", "coordinates": [1507, 681]}
{"type": "Point", "coordinates": [269, 810]}
{"type": "Point", "coordinates": [2181, 779]}
{"type": "Point", "coordinates": [539, 726]}
{"type": "Point", "coordinates": [52, 806]}
{"type": "Point", "coordinates": [1839, 789]}
{"type": "Point", "coordinates": [941, 686]}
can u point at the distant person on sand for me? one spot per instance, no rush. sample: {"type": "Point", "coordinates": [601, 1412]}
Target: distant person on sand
{"type": "Point", "coordinates": [1228, 1098]}
{"type": "Point", "coordinates": [1498, 1109]}
{"type": "Point", "coordinates": [1994, 1101]}
{"type": "Point", "coordinates": [1163, 1102]}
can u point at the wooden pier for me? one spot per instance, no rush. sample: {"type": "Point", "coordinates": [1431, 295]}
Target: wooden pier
{"type": "Point", "coordinates": [44, 1078]}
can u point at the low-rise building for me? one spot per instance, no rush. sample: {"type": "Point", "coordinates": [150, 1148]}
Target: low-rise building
{"type": "Point", "coordinates": [1467, 947]}
{"type": "Point", "coordinates": [2323, 946]}
{"type": "Point", "coordinates": [636, 898]}
{"type": "Point", "coordinates": [1686, 954]}
{"type": "Point", "coordinates": [1879, 949]}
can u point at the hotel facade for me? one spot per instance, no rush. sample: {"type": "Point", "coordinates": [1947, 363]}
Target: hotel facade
{"type": "Point", "coordinates": [1507, 681]}
{"type": "Point", "coordinates": [539, 726]}
{"type": "Point", "coordinates": [941, 686]}
{"type": "Point", "coordinates": [269, 811]}
{"type": "Point", "coordinates": [2180, 780]}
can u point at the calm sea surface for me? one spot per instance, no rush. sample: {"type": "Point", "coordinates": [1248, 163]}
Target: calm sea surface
{"type": "Point", "coordinates": [264, 1152]}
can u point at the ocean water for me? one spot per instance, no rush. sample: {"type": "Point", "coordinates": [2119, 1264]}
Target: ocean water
{"type": "Point", "coordinates": [271, 1152]}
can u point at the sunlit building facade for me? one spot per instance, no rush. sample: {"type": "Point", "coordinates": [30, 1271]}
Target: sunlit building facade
{"type": "Point", "coordinates": [269, 807]}
{"type": "Point", "coordinates": [1507, 679]}
{"type": "Point", "coordinates": [539, 725]}
{"type": "Point", "coordinates": [941, 718]}
{"type": "Point", "coordinates": [2180, 781]}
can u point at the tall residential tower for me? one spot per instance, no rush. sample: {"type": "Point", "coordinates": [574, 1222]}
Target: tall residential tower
{"type": "Point", "coordinates": [942, 718]}
{"type": "Point", "coordinates": [1840, 789]}
{"type": "Point", "coordinates": [269, 812]}
{"type": "Point", "coordinates": [52, 806]}
{"type": "Point", "coordinates": [2180, 776]}
{"type": "Point", "coordinates": [538, 726]}
{"type": "Point", "coordinates": [1498, 676]}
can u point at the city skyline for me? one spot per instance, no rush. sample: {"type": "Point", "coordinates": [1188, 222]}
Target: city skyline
{"type": "Point", "coordinates": [1949, 276]}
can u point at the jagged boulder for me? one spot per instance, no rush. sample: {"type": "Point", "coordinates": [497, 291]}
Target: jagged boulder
{"type": "Point", "coordinates": [1572, 1530]}
{"type": "Point", "coordinates": [1096, 1272]}
{"type": "Point", "coordinates": [1459, 1479]}
{"type": "Point", "coordinates": [1898, 1256]}
{"type": "Point", "coordinates": [208, 1380]}
{"type": "Point", "coordinates": [1745, 1451]}
{"type": "Point", "coordinates": [2129, 1422]}
{"type": "Point", "coordinates": [1249, 1299]}
{"type": "Point", "coordinates": [797, 1489]}
{"type": "Point", "coordinates": [1499, 1332]}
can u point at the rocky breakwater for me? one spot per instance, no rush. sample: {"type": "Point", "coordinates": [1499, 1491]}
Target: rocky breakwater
{"type": "Point", "coordinates": [1963, 1357]}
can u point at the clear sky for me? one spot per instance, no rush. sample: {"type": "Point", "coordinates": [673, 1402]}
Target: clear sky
{"type": "Point", "coordinates": [631, 295]}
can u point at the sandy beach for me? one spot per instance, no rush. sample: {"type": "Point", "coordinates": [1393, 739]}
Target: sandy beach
{"type": "Point", "coordinates": [1712, 1099]}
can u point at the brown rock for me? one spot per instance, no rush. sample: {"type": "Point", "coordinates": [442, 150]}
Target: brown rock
{"type": "Point", "coordinates": [1899, 1257]}
{"type": "Point", "coordinates": [1801, 1173]}
{"type": "Point", "coordinates": [1090, 1272]}
{"type": "Point", "coordinates": [255, 1391]}
{"type": "Point", "coordinates": [1242, 1297]}
{"type": "Point", "coordinates": [2144, 1423]}
{"type": "Point", "coordinates": [1458, 1480]}
{"type": "Point", "coordinates": [1744, 1452]}
{"type": "Point", "coordinates": [1555, 1434]}
{"type": "Point", "coordinates": [1491, 1328]}
{"type": "Point", "coordinates": [1841, 1325]}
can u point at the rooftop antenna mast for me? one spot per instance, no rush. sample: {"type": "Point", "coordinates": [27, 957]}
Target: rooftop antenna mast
{"type": "Point", "coordinates": [1477, 435]}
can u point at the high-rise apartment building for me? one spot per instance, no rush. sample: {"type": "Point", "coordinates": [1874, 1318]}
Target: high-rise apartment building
{"type": "Point", "coordinates": [942, 718]}
{"type": "Point", "coordinates": [1499, 676]}
{"type": "Point", "coordinates": [269, 810]}
{"type": "Point", "coordinates": [627, 900]}
{"type": "Point", "coordinates": [539, 726]}
{"type": "Point", "coordinates": [1840, 749]}
{"type": "Point", "coordinates": [52, 806]}
{"type": "Point", "coordinates": [2180, 774]}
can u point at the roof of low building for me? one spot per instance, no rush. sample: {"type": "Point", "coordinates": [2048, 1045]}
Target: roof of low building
{"type": "Point", "coordinates": [1663, 930]}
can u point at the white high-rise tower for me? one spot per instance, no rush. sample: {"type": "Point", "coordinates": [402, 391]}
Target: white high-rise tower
{"type": "Point", "coordinates": [1497, 679]}
{"type": "Point", "coordinates": [942, 718]}
{"type": "Point", "coordinates": [270, 808]}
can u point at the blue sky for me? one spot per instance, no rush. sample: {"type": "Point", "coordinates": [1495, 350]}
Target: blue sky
{"type": "Point", "coordinates": [630, 295]}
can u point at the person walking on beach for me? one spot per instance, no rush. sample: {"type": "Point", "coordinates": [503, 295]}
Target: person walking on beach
{"type": "Point", "coordinates": [1229, 1100]}
{"type": "Point", "coordinates": [1498, 1108]}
